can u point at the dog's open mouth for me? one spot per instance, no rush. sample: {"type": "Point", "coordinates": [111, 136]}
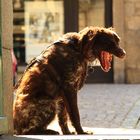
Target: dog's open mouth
{"type": "Point", "coordinates": [105, 60]}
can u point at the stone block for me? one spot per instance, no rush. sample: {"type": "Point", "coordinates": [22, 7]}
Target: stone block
{"type": "Point", "coordinates": [96, 19]}
{"type": "Point", "coordinates": [132, 37]}
{"type": "Point", "coordinates": [137, 8]}
{"type": "Point", "coordinates": [129, 9]}
{"type": "Point", "coordinates": [133, 23]}
{"type": "Point", "coordinates": [133, 75]}
{"type": "Point", "coordinates": [128, 1]}
{"type": "Point", "coordinates": [132, 64]}
{"type": "Point", "coordinates": [132, 57]}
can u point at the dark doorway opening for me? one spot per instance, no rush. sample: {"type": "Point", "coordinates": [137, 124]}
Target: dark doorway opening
{"type": "Point", "coordinates": [71, 19]}
{"type": "Point", "coordinates": [99, 76]}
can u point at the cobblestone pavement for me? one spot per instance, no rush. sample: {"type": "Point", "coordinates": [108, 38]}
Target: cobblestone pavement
{"type": "Point", "coordinates": [110, 105]}
{"type": "Point", "coordinates": [104, 106]}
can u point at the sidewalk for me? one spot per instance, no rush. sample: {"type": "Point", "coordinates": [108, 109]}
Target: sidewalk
{"type": "Point", "coordinates": [110, 106]}
{"type": "Point", "coordinates": [99, 134]}
{"type": "Point", "coordinates": [107, 109]}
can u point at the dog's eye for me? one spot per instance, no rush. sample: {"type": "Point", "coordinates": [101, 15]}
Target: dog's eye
{"type": "Point", "coordinates": [108, 45]}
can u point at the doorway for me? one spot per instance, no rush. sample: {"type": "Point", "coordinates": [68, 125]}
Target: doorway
{"type": "Point", "coordinates": [89, 13]}
{"type": "Point", "coordinates": [96, 13]}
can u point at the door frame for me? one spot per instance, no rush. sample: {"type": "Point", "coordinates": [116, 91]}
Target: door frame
{"type": "Point", "coordinates": [71, 8]}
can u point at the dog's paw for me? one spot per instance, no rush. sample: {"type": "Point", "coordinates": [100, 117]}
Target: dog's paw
{"type": "Point", "coordinates": [51, 132]}
{"type": "Point", "coordinates": [87, 133]}
{"type": "Point", "coordinates": [70, 133]}
{"type": "Point", "coordinates": [73, 133]}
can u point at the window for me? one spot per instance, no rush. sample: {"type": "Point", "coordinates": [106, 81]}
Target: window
{"type": "Point", "coordinates": [36, 27]}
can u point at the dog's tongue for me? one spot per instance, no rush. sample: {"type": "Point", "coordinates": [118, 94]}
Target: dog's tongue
{"type": "Point", "coordinates": [106, 59]}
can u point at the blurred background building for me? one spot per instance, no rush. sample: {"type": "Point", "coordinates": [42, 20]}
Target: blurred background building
{"type": "Point", "coordinates": [38, 23]}
{"type": "Point", "coordinates": [47, 20]}
{"type": "Point", "coordinates": [28, 26]}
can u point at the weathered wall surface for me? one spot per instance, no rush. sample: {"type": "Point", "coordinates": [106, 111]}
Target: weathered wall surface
{"type": "Point", "coordinates": [132, 40]}
{"type": "Point", "coordinates": [126, 20]}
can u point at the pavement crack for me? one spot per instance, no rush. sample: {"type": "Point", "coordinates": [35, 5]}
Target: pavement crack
{"type": "Point", "coordinates": [137, 122]}
{"type": "Point", "coordinates": [129, 114]}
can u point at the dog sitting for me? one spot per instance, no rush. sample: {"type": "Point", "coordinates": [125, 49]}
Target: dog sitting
{"type": "Point", "coordinates": [51, 81]}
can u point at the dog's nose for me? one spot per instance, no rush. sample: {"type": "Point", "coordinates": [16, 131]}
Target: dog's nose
{"type": "Point", "coordinates": [119, 52]}
{"type": "Point", "coordinates": [123, 53]}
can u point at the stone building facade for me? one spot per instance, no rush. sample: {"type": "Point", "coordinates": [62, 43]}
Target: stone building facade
{"type": "Point", "coordinates": [126, 18]}
{"type": "Point", "coordinates": [132, 40]}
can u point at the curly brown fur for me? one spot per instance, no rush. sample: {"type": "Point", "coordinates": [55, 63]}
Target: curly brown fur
{"type": "Point", "coordinates": [50, 83]}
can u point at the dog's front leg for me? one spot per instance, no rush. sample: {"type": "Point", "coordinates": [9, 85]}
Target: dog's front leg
{"type": "Point", "coordinates": [62, 118]}
{"type": "Point", "coordinates": [72, 107]}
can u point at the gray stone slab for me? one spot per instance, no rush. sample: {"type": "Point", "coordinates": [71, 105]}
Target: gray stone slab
{"type": "Point", "coordinates": [108, 105]}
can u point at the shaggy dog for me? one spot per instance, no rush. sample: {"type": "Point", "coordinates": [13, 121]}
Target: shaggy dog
{"type": "Point", "coordinates": [51, 81]}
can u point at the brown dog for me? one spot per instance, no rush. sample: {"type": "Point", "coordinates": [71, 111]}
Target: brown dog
{"type": "Point", "coordinates": [51, 81]}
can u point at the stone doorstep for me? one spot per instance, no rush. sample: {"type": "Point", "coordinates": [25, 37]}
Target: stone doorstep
{"type": "Point", "coordinates": [99, 133]}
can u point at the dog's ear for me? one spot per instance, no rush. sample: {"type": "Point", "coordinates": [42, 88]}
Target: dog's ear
{"type": "Point", "coordinates": [86, 35]}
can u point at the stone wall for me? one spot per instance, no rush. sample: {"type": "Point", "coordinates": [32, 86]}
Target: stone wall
{"type": "Point", "coordinates": [91, 13]}
{"type": "Point", "coordinates": [118, 23]}
{"type": "Point", "coordinates": [126, 20]}
{"type": "Point", "coordinates": [132, 40]}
